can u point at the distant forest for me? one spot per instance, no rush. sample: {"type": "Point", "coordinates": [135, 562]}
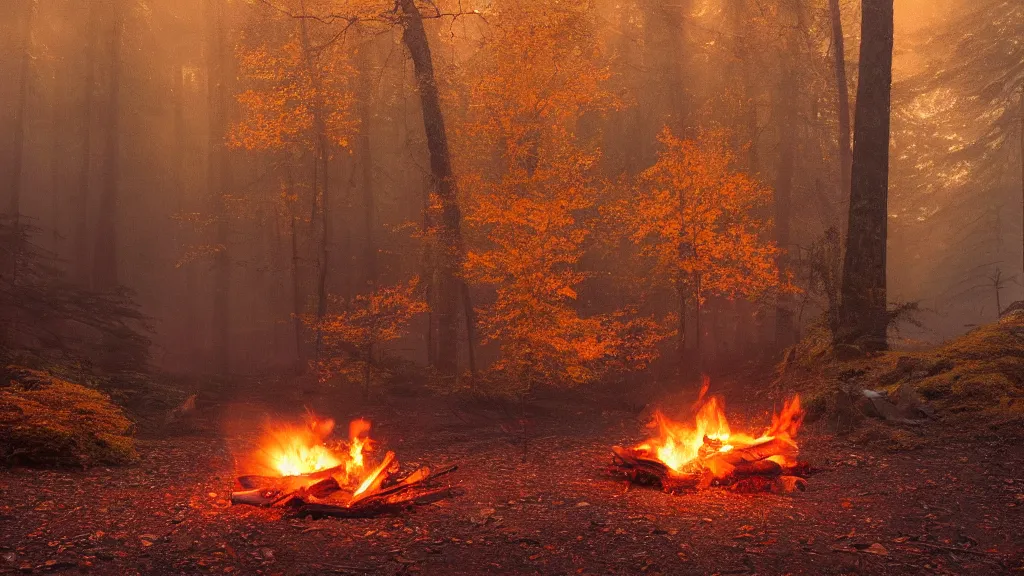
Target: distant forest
{"type": "Point", "coordinates": [530, 191]}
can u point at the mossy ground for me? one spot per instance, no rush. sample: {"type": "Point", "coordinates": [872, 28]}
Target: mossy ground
{"type": "Point", "coordinates": [48, 421]}
{"type": "Point", "coordinates": [975, 382]}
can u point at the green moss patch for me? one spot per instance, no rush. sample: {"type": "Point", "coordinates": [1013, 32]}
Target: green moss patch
{"type": "Point", "coordinates": [975, 381]}
{"type": "Point", "coordinates": [47, 421]}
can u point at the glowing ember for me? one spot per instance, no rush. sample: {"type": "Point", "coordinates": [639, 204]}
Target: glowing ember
{"type": "Point", "coordinates": [707, 441]}
{"type": "Point", "coordinates": [302, 469]}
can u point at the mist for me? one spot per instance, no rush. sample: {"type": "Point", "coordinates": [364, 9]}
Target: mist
{"type": "Point", "coordinates": [164, 147]}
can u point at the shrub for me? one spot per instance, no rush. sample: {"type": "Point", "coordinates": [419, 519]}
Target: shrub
{"type": "Point", "coordinates": [47, 421]}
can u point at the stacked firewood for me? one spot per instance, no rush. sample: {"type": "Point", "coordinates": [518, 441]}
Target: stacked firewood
{"type": "Point", "coordinates": [320, 494]}
{"type": "Point", "coordinates": [741, 469]}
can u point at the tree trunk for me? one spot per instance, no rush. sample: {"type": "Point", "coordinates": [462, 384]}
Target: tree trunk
{"type": "Point", "coordinates": [218, 181]}
{"type": "Point", "coordinates": [297, 297]}
{"type": "Point", "coordinates": [449, 245]}
{"type": "Point", "coordinates": [189, 321]}
{"type": "Point", "coordinates": [81, 254]}
{"type": "Point", "coordinates": [746, 334]}
{"type": "Point", "coordinates": [9, 265]}
{"type": "Point", "coordinates": [58, 147]}
{"type": "Point", "coordinates": [787, 112]}
{"type": "Point", "coordinates": [321, 165]}
{"type": "Point", "coordinates": [18, 115]}
{"type": "Point", "coordinates": [685, 250]}
{"type": "Point", "coordinates": [862, 315]}
{"type": "Point", "coordinates": [681, 290]}
{"type": "Point", "coordinates": [369, 201]}
{"type": "Point", "coordinates": [366, 171]}
{"type": "Point", "coordinates": [843, 97]}
{"type": "Point", "coordinates": [105, 273]}
{"type": "Point", "coordinates": [698, 323]}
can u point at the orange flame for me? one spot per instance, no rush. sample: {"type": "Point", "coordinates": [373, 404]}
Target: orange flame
{"type": "Point", "coordinates": [295, 450]}
{"type": "Point", "coordinates": [681, 445]}
{"type": "Point", "coordinates": [290, 450]}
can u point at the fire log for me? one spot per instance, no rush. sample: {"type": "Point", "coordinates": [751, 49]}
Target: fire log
{"type": "Point", "coordinates": [373, 507]}
{"type": "Point", "coordinates": [252, 481]}
{"type": "Point", "coordinates": [409, 491]}
{"type": "Point", "coordinates": [758, 468]}
{"type": "Point", "coordinates": [756, 452]}
{"type": "Point", "coordinates": [257, 497]}
{"type": "Point", "coordinates": [639, 469]}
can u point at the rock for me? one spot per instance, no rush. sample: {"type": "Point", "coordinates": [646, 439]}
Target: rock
{"type": "Point", "coordinates": [875, 405]}
{"type": "Point", "coordinates": [877, 549]}
{"type": "Point", "coordinates": [847, 413]}
{"type": "Point", "coordinates": [911, 405]}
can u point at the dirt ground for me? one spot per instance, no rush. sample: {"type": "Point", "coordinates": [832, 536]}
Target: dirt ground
{"type": "Point", "coordinates": [548, 509]}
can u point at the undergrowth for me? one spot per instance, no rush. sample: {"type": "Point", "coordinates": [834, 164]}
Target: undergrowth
{"type": "Point", "coordinates": [975, 381]}
{"type": "Point", "coordinates": [49, 421]}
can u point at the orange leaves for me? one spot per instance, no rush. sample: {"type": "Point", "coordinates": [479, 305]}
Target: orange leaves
{"type": "Point", "coordinates": [529, 205]}
{"type": "Point", "coordinates": [289, 89]}
{"type": "Point", "coordinates": [367, 320]}
{"type": "Point", "coordinates": [376, 317]}
{"type": "Point", "coordinates": [694, 217]}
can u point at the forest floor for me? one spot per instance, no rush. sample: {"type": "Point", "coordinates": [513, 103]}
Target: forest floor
{"type": "Point", "coordinates": [947, 508]}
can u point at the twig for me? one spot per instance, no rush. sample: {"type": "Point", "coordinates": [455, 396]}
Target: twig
{"type": "Point", "coordinates": [951, 549]}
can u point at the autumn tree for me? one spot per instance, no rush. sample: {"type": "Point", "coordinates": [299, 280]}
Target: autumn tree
{"type": "Point", "coordinates": [446, 226]}
{"type": "Point", "coordinates": [354, 331]}
{"type": "Point", "coordinates": [297, 107]}
{"type": "Point", "coordinates": [694, 218]}
{"type": "Point", "coordinates": [531, 202]}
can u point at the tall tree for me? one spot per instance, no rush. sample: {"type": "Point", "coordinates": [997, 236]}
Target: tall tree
{"type": "Point", "coordinates": [218, 178]}
{"type": "Point", "coordinates": [786, 111]}
{"type": "Point", "coordinates": [18, 112]}
{"type": "Point", "coordinates": [863, 317]}
{"type": "Point", "coordinates": [83, 269]}
{"type": "Point", "coordinates": [321, 175]}
{"type": "Point", "coordinates": [842, 96]}
{"type": "Point", "coordinates": [105, 272]}
{"type": "Point", "coordinates": [448, 288]}
{"type": "Point", "coordinates": [695, 218]}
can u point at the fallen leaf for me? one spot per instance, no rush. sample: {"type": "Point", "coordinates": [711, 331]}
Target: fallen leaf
{"type": "Point", "coordinates": [877, 549]}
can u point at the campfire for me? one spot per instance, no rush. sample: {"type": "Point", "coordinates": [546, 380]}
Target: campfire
{"type": "Point", "coordinates": [299, 467]}
{"type": "Point", "coordinates": [707, 452]}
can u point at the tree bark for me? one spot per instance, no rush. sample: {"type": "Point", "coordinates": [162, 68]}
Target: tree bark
{"type": "Point", "coordinates": [297, 297]}
{"type": "Point", "coordinates": [785, 331]}
{"type": "Point", "coordinates": [366, 171]}
{"type": "Point", "coordinates": [189, 322]}
{"type": "Point", "coordinates": [218, 182]}
{"type": "Point", "coordinates": [863, 317]}
{"type": "Point", "coordinates": [843, 97]}
{"type": "Point", "coordinates": [105, 272]}
{"type": "Point", "coordinates": [746, 332]}
{"type": "Point", "coordinates": [83, 270]}
{"type": "Point", "coordinates": [449, 245]}
{"type": "Point", "coordinates": [18, 115]}
{"type": "Point", "coordinates": [321, 160]}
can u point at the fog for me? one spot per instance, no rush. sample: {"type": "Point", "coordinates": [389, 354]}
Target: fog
{"type": "Point", "coordinates": [252, 171]}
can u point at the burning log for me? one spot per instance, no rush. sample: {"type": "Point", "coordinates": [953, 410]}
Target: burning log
{"type": "Point", "coordinates": [639, 469]}
{"type": "Point", "coordinates": [708, 453]}
{"type": "Point", "coordinates": [332, 483]}
{"type": "Point", "coordinates": [252, 481]}
{"type": "Point", "coordinates": [417, 489]}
